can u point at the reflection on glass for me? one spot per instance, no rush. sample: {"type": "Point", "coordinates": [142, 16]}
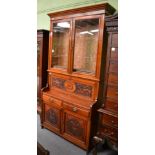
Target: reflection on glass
{"type": "Point", "coordinates": [86, 43]}
{"type": "Point", "coordinates": [60, 44]}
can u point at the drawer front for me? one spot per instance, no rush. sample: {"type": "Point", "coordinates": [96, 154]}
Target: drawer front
{"type": "Point", "coordinates": [113, 67]}
{"type": "Point", "coordinates": [109, 120]}
{"type": "Point", "coordinates": [52, 100]}
{"type": "Point", "coordinates": [113, 78]}
{"type": "Point", "coordinates": [111, 106]}
{"type": "Point", "coordinates": [109, 132]}
{"type": "Point", "coordinates": [112, 92]}
{"type": "Point", "coordinates": [76, 110]}
{"type": "Point", "coordinates": [114, 53]}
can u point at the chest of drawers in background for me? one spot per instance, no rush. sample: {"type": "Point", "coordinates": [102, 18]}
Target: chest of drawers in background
{"type": "Point", "coordinates": [108, 113]}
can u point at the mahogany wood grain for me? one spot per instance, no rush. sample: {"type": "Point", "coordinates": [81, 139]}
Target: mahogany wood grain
{"type": "Point", "coordinates": [70, 100]}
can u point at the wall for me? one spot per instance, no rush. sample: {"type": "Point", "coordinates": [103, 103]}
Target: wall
{"type": "Point", "coordinates": [46, 6]}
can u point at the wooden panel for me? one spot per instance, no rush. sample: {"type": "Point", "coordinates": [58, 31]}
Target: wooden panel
{"type": "Point", "coordinates": [73, 85]}
{"type": "Point", "coordinates": [113, 67]}
{"type": "Point", "coordinates": [109, 132]}
{"type": "Point", "coordinates": [52, 116]}
{"type": "Point", "coordinates": [111, 106]}
{"type": "Point", "coordinates": [74, 127]}
{"type": "Point", "coordinates": [109, 120]}
{"type": "Point", "coordinates": [115, 40]}
{"type": "Point", "coordinates": [76, 110]}
{"type": "Point", "coordinates": [113, 78]}
{"type": "Point", "coordinates": [112, 92]}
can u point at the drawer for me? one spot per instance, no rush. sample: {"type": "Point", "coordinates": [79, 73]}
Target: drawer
{"type": "Point", "coordinates": [109, 120]}
{"type": "Point", "coordinates": [52, 100]}
{"type": "Point", "coordinates": [109, 132]}
{"type": "Point", "coordinates": [113, 66]}
{"type": "Point", "coordinates": [112, 92]}
{"type": "Point", "coordinates": [111, 106]}
{"type": "Point", "coordinates": [114, 53]}
{"type": "Point", "coordinates": [76, 110]}
{"type": "Point", "coordinates": [115, 40]}
{"type": "Point", "coordinates": [113, 78]}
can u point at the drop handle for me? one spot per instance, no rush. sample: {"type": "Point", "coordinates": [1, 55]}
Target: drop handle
{"type": "Point", "coordinates": [74, 109]}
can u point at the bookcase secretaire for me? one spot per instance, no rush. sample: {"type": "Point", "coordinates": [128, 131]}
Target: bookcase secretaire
{"type": "Point", "coordinates": [76, 57]}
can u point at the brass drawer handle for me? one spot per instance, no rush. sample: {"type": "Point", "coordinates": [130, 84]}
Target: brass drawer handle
{"type": "Point", "coordinates": [74, 109]}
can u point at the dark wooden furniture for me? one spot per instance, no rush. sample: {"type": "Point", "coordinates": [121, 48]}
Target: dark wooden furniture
{"type": "Point", "coordinates": [108, 122]}
{"type": "Point", "coordinates": [74, 73]}
{"type": "Point", "coordinates": [41, 150]}
{"type": "Point", "coordinates": [42, 63]}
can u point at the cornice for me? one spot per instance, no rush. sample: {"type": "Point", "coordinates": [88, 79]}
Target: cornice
{"type": "Point", "coordinates": [71, 5]}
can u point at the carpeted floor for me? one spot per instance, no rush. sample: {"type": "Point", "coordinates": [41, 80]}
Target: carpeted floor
{"type": "Point", "coordinates": [58, 146]}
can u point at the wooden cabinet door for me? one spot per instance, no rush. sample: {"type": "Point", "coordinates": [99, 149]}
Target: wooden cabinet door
{"type": "Point", "coordinates": [52, 117]}
{"type": "Point", "coordinates": [74, 128]}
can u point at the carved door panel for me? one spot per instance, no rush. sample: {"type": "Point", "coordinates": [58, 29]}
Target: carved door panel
{"type": "Point", "coordinates": [52, 117]}
{"type": "Point", "coordinates": [74, 127]}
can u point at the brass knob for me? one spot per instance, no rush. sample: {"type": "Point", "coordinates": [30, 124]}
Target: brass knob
{"type": "Point", "coordinates": [112, 121]}
{"type": "Point", "coordinates": [74, 109]}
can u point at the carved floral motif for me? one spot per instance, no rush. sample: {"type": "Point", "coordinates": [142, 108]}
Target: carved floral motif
{"type": "Point", "coordinates": [59, 83]}
{"type": "Point", "coordinates": [70, 86]}
{"type": "Point", "coordinates": [74, 127]}
{"type": "Point", "coordinates": [83, 90]}
{"type": "Point", "coordinates": [52, 116]}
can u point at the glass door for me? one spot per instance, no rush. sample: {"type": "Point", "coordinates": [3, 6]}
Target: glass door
{"type": "Point", "coordinates": [86, 45]}
{"type": "Point", "coordinates": [60, 44]}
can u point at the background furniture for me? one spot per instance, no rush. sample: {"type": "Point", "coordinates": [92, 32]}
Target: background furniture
{"type": "Point", "coordinates": [108, 122]}
{"type": "Point", "coordinates": [42, 63]}
{"type": "Point", "coordinates": [41, 150]}
{"type": "Point", "coordinates": [76, 58]}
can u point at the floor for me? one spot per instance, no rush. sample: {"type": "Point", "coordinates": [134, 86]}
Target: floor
{"type": "Point", "coordinates": [58, 146]}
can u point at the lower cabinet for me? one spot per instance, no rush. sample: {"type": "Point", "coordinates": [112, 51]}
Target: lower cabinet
{"type": "Point", "coordinates": [75, 128]}
{"type": "Point", "coordinates": [67, 120]}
